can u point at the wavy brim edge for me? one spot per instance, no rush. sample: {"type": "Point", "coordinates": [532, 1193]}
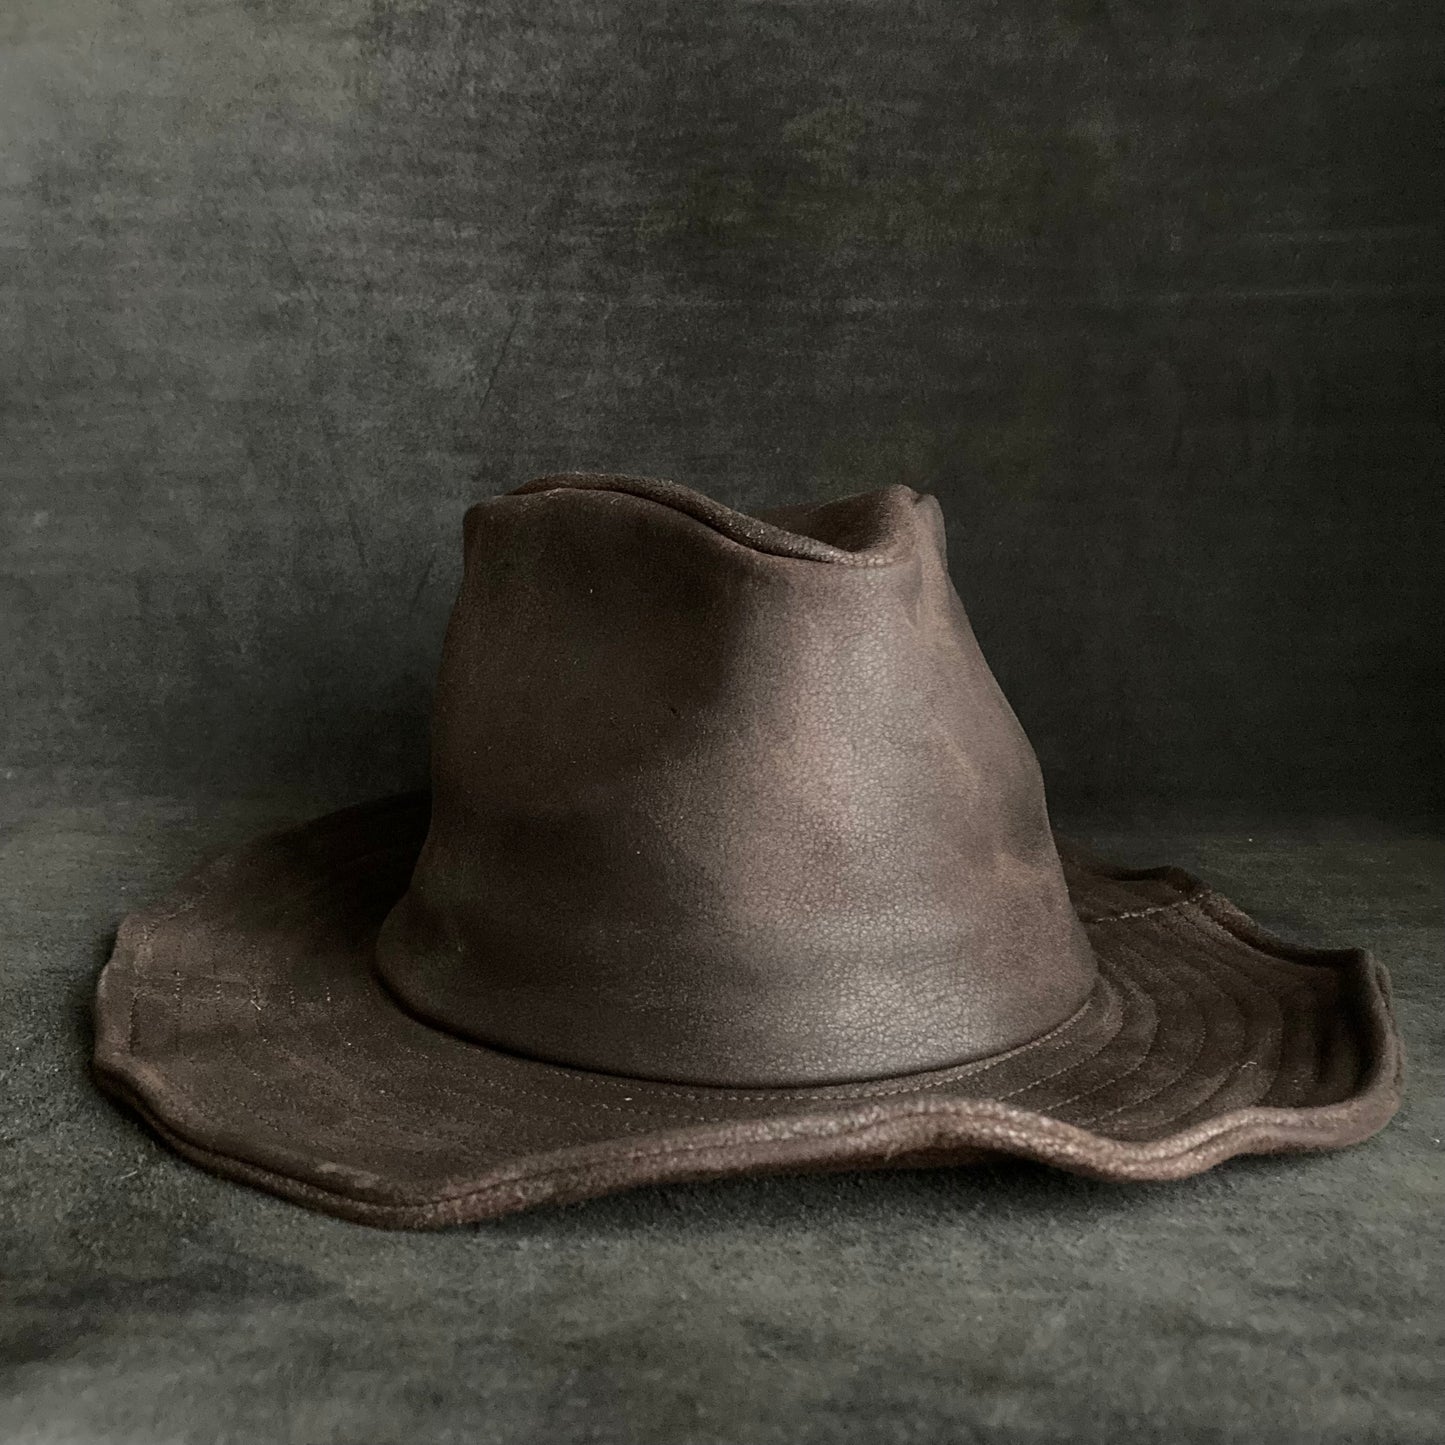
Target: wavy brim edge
{"type": "Point", "coordinates": [827, 1132]}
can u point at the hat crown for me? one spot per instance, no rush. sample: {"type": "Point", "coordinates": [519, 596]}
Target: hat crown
{"type": "Point", "coordinates": [728, 800]}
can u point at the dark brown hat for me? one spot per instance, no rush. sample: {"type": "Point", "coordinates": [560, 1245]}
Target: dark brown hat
{"type": "Point", "coordinates": [735, 860]}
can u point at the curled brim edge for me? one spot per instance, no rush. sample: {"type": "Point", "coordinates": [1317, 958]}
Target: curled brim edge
{"type": "Point", "coordinates": [822, 1135]}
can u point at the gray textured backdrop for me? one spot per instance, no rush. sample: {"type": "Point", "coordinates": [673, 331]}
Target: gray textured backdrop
{"type": "Point", "coordinates": [1150, 295]}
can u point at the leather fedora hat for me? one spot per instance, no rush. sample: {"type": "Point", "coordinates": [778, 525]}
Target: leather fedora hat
{"type": "Point", "coordinates": [735, 860]}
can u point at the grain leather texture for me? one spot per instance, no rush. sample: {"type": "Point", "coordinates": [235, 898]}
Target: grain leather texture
{"type": "Point", "coordinates": [735, 860]}
{"type": "Point", "coordinates": [708, 812]}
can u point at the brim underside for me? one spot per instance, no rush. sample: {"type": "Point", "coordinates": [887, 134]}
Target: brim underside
{"type": "Point", "coordinates": [243, 1020]}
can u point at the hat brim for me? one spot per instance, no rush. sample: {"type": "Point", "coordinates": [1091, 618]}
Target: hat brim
{"type": "Point", "coordinates": [243, 1020]}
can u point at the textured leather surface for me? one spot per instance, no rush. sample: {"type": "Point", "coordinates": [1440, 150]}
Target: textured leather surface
{"type": "Point", "coordinates": [242, 1018]}
{"type": "Point", "coordinates": [724, 801]}
{"type": "Point", "coordinates": [736, 862]}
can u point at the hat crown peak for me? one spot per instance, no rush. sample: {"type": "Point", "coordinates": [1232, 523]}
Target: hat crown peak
{"type": "Point", "coordinates": [729, 800]}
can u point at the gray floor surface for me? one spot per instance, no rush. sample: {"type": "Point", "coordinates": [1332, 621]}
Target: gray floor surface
{"type": "Point", "coordinates": [144, 1301]}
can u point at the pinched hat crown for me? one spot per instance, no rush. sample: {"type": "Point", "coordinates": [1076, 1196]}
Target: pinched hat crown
{"type": "Point", "coordinates": [728, 800]}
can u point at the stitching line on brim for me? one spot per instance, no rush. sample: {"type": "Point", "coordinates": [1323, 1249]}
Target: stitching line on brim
{"type": "Point", "coordinates": [1278, 1124]}
{"type": "Point", "coordinates": [1232, 1133]}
